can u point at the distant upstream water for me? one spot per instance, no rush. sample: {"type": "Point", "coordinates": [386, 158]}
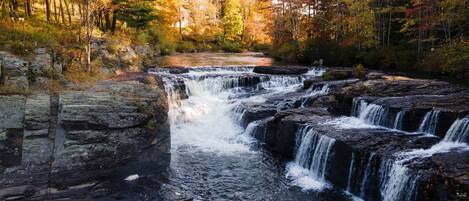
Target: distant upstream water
{"type": "Point", "coordinates": [215, 59]}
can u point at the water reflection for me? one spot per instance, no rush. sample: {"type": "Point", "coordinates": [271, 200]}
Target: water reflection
{"type": "Point", "coordinates": [215, 59]}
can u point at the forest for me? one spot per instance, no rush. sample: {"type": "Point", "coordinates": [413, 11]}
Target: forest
{"type": "Point", "coordinates": [234, 100]}
{"type": "Point", "coordinates": [427, 36]}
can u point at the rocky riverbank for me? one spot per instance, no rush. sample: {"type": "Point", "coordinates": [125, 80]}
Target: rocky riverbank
{"type": "Point", "coordinates": [410, 114]}
{"type": "Point", "coordinates": [67, 145]}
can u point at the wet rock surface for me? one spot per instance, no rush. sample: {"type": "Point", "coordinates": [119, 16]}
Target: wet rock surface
{"type": "Point", "coordinates": [66, 145]}
{"type": "Point", "coordinates": [120, 123]}
{"type": "Point", "coordinates": [360, 155]}
{"type": "Point", "coordinates": [281, 70]}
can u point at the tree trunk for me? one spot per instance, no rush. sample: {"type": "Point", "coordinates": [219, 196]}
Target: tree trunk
{"type": "Point", "coordinates": [114, 21]}
{"type": "Point", "coordinates": [68, 12]}
{"type": "Point", "coordinates": [28, 8]}
{"type": "Point", "coordinates": [107, 18]}
{"type": "Point", "coordinates": [14, 9]}
{"type": "Point", "coordinates": [55, 12]}
{"type": "Point", "coordinates": [47, 10]}
{"type": "Point", "coordinates": [62, 14]}
{"type": "Point", "coordinates": [88, 36]}
{"type": "Point", "coordinates": [390, 21]}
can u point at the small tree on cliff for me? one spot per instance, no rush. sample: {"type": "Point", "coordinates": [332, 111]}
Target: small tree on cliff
{"type": "Point", "coordinates": [232, 20]}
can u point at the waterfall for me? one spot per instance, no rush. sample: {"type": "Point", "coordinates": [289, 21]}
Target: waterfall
{"type": "Point", "coordinates": [398, 182]}
{"type": "Point", "coordinates": [312, 153]}
{"type": "Point", "coordinates": [373, 114]}
{"type": "Point", "coordinates": [282, 82]}
{"type": "Point", "coordinates": [369, 171]}
{"type": "Point", "coordinates": [350, 174]}
{"type": "Point", "coordinates": [321, 89]}
{"type": "Point", "coordinates": [399, 120]}
{"type": "Point", "coordinates": [370, 113]}
{"type": "Point", "coordinates": [238, 113]}
{"type": "Point", "coordinates": [314, 91]}
{"type": "Point", "coordinates": [204, 109]}
{"type": "Point", "coordinates": [256, 129]}
{"type": "Point", "coordinates": [429, 122]}
{"type": "Point", "coordinates": [358, 106]}
{"type": "Point", "coordinates": [458, 132]}
{"type": "Point", "coordinates": [377, 115]}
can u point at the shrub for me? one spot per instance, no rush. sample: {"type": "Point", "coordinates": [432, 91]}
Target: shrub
{"type": "Point", "coordinates": [78, 75]}
{"type": "Point", "coordinates": [451, 59]}
{"type": "Point", "coordinates": [229, 46]}
{"type": "Point", "coordinates": [142, 37]}
{"type": "Point", "coordinates": [163, 37]}
{"type": "Point", "coordinates": [359, 71]}
{"type": "Point", "coordinates": [185, 46]}
{"type": "Point", "coordinates": [286, 52]}
{"type": "Point", "coordinates": [22, 37]}
{"type": "Point", "coordinates": [389, 58]}
{"type": "Point", "coordinates": [337, 75]}
{"type": "Point", "coordinates": [261, 47]}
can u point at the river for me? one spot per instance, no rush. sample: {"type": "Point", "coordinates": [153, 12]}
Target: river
{"type": "Point", "coordinates": [214, 59]}
{"type": "Point", "coordinates": [212, 156]}
{"type": "Point", "coordinates": [215, 155]}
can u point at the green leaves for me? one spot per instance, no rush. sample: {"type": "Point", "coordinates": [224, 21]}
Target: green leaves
{"type": "Point", "coordinates": [137, 14]}
{"type": "Point", "coordinates": [233, 20]}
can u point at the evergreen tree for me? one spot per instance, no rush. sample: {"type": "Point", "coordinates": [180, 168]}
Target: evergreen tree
{"type": "Point", "coordinates": [232, 20]}
{"type": "Point", "coordinates": [137, 14]}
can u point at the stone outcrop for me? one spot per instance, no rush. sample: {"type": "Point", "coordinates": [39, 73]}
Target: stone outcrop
{"type": "Point", "coordinates": [44, 63]}
{"type": "Point", "coordinates": [441, 176]}
{"type": "Point", "coordinates": [20, 73]}
{"type": "Point", "coordinates": [122, 55]}
{"type": "Point", "coordinates": [361, 158]}
{"type": "Point", "coordinates": [62, 143]}
{"type": "Point", "coordinates": [14, 71]}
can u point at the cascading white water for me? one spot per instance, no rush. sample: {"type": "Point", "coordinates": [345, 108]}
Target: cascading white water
{"type": "Point", "coordinates": [204, 120]}
{"type": "Point", "coordinates": [377, 115]}
{"type": "Point", "coordinates": [458, 132]}
{"type": "Point", "coordinates": [350, 173]}
{"type": "Point", "coordinates": [369, 112]}
{"type": "Point", "coordinates": [366, 174]}
{"type": "Point", "coordinates": [314, 91]}
{"type": "Point", "coordinates": [208, 118]}
{"type": "Point", "coordinates": [324, 89]}
{"type": "Point", "coordinates": [282, 82]}
{"type": "Point", "coordinates": [373, 114]}
{"type": "Point", "coordinates": [312, 151]}
{"type": "Point", "coordinates": [398, 182]}
{"type": "Point", "coordinates": [429, 122]}
{"type": "Point", "coordinates": [398, 121]}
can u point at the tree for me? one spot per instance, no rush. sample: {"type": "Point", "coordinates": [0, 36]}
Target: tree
{"type": "Point", "coordinates": [137, 14]}
{"type": "Point", "coordinates": [232, 20]}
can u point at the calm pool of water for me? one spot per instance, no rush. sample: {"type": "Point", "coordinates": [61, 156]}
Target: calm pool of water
{"type": "Point", "coordinates": [215, 59]}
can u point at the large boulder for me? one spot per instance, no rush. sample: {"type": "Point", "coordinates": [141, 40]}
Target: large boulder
{"type": "Point", "coordinates": [62, 143]}
{"type": "Point", "coordinates": [13, 66]}
{"type": "Point", "coordinates": [144, 51]}
{"type": "Point", "coordinates": [14, 71]}
{"type": "Point", "coordinates": [43, 63]}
